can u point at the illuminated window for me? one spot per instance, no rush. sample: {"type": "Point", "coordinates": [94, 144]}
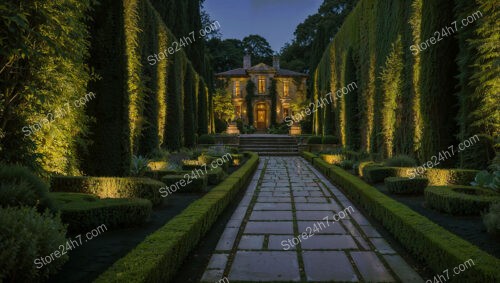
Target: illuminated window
{"type": "Point", "coordinates": [286, 88]}
{"type": "Point", "coordinates": [262, 84]}
{"type": "Point", "coordinates": [237, 89]}
{"type": "Point", "coordinates": [286, 112]}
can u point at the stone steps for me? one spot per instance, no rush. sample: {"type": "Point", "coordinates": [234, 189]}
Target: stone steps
{"type": "Point", "coordinates": [270, 145]}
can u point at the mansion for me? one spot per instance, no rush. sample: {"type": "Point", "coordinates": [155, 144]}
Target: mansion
{"type": "Point", "coordinates": [290, 87]}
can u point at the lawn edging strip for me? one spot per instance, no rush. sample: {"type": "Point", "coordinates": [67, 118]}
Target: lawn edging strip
{"type": "Point", "coordinates": [425, 240]}
{"type": "Point", "coordinates": [159, 256]}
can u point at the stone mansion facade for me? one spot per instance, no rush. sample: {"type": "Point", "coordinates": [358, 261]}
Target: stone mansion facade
{"type": "Point", "coordinates": [290, 86]}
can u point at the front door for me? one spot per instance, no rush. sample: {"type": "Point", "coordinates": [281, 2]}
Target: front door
{"type": "Point", "coordinates": [261, 117]}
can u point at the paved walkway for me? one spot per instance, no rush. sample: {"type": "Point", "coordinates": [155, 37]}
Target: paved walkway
{"type": "Point", "coordinates": [293, 225]}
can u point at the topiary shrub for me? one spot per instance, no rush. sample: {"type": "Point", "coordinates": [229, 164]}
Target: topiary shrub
{"type": "Point", "coordinates": [25, 237]}
{"type": "Point", "coordinates": [460, 200]}
{"type": "Point", "coordinates": [83, 212]}
{"type": "Point", "coordinates": [20, 187]}
{"type": "Point", "coordinates": [400, 161]}
{"type": "Point", "coordinates": [109, 187]}
{"type": "Point", "coordinates": [314, 140]}
{"type": "Point", "coordinates": [206, 139]}
{"type": "Point", "coordinates": [330, 140]}
{"type": "Point", "coordinates": [333, 158]}
{"type": "Point", "coordinates": [157, 165]}
{"type": "Point", "coordinates": [377, 174]}
{"type": "Point", "coordinates": [398, 185]}
{"type": "Point", "coordinates": [492, 219]}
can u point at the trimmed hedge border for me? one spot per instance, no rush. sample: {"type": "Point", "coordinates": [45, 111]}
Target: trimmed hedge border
{"type": "Point", "coordinates": [448, 199]}
{"type": "Point", "coordinates": [436, 177]}
{"type": "Point", "coordinates": [399, 185]}
{"type": "Point", "coordinates": [195, 185]}
{"type": "Point", "coordinates": [427, 241]}
{"type": "Point", "coordinates": [84, 212]}
{"type": "Point", "coordinates": [159, 256]}
{"type": "Point", "coordinates": [109, 187]}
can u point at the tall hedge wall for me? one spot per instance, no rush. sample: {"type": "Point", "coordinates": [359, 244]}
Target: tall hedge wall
{"type": "Point", "coordinates": [42, 74]}
{"type": "Point", "coordinates": [142, 104]}
{"type": "Point", "coordinates": [408, 102]}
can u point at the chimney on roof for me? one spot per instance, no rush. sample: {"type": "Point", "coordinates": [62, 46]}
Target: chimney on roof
{"type": "Point", "coordinates": [276, 62]}
{"type": "Point", "coordinates": [247, 61]}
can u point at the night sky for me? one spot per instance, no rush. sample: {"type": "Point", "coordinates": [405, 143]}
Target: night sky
{"type": "Point", "coordinates": [275, 20]}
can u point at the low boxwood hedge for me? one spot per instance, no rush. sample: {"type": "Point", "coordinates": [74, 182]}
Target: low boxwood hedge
{"type": "Point", "coordinates": [460, 200]}
{"type": "Point", "coordinates": [333, 158]}
{"type": "Point", "coordinates": [376, 174]}
{"type": "Point", "coordinates": [398, 185]}
{"type": "Point", "coordinates": [308, 155]}
{"type": "Point", "coordinates": [83, 212]}
{"type": "Point", "coordinates": [159, 256]}
{"type": "Point", "coordinates": [215, 176]}
{"type": "Point", "coordinates": [427, 241]}
{"type": "Point", "coordinates": [109, 187]}
{"type": "Point", "coordinates": [185, 184]}
{"type": "Point", "coordinates": [436, 177]}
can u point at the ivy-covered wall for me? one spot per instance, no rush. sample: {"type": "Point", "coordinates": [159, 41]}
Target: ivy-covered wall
{"type": "Point", "coordinates": [144, 104]}
{"type": "Point", "coordinates": [411, 102]}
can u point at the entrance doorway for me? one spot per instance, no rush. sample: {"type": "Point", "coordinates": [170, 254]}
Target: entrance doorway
{"type": "Point", "coordinates": [261, 116]}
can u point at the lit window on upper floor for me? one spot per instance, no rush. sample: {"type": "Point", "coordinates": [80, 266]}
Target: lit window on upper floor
{"type": "Point", "coordinates": [262, 84]}
{"type": "Point", "coordinates": [237, 89]}
{"type": "Point", "coordinates": [286, 88]}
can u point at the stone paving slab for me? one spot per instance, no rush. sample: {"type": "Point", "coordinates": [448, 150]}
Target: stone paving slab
{"type": "Point", "coordinates": [278, 207]}
{"type": "Point", "coordinates": [277, 227]}
{"type": "Point", "coordinates": [265, 266]}
{"type": "Point", "coordinates": [328, 266]}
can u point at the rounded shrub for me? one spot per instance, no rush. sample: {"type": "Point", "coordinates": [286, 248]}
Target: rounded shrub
{"type": "Point", "coordinates": [206, 139]}
{"type": "Point", "coordinates": [26, 237]}
{"type": "Point", "coordinates": [492, 219]}
{"type": "Point", "coordinates": [460, 200]}
{"type": "Point", "coordinates": [398, 185]}
{"type": "Point", "coordinates": [400, 161]}
{"type": "Point", "coordinates": [20, 187]}
{"type": "Point", "coordinates": [314, 140]}
{"type": "Point", "coordinates": [330, 140]}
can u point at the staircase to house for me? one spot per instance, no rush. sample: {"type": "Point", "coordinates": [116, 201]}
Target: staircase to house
{"type": "Point", "coordinates": [269, 144]}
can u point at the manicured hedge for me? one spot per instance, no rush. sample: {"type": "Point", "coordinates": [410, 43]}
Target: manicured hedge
{"type": "Point", "coordinates": [215, 176]}
{"type": "Point", "coordinates": [308, 156]}
{"type": "Point", "coordinates": [377, 174]}
{"type": "Point", "coordinates": [186, 185]}
{"type": "Point", "coordinates": [333, 158]}
{"type": "Point", "coordinates": [159, 256]}
{"type": "Point", "coordinates": [394, 109]}
{"type": "Point", "coordinates": [83, 212]}
{"type": "Point", "coordinates": [110, 187]}
{"type": "Point", "coordinates": [398, 185]}
{"type": "Point", "coordinates": [460, 200]}
{"type": "Point", "coordinates": [437, 177]}
{"type": "Point", "coordinates": [427, 241]}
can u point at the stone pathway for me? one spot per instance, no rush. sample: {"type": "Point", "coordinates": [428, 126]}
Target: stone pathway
{"type": "Point", "coordinates": [293, 225]}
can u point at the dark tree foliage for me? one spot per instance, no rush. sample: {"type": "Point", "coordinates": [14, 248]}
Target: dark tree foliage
{"type": "Point", "coordinates": [259, 48]}
{"type": "Point", "coordinates": [225, 54]}
{"type": "Point", "coordinates": [189, 107]}
{"type": "Point", "coordinates": [314, 34]}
